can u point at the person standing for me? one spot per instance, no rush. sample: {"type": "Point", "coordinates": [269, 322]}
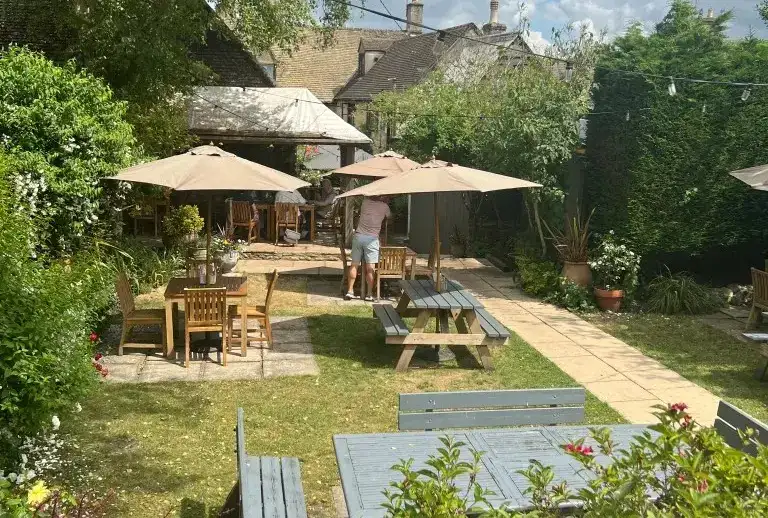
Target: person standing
{"type": "Point", "coordinates": [365, 241]}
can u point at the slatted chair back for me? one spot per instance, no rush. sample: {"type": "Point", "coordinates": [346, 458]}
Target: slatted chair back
{"type": "Point", "coordinates": [205, 308]}
{"type": "Point", "coordinates": [287, 213]}
{"type": "Point", "coordinates": [392, 261]}
{"type": "Point", "coordinates": [730, 420]}
{"type": "Point", "coordinates": [124, 294]}
{"type": "Point", "coordinates": [241, 213]}
{"type": "Point", "coordinates": [760, 284]}
{"type": "Point", "coordinates": [271, 289]}
{"type": "Point", "coordinates": [492, 408]}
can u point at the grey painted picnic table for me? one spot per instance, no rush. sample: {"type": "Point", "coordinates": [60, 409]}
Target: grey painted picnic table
{"type": "Point", "coordinates": [474, 326]}
{"type": "Point", "coordinates": [365, 460]}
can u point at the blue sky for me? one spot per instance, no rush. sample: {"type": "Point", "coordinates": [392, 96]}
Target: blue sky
{"type": "Point", "coordinates": [612, 15]}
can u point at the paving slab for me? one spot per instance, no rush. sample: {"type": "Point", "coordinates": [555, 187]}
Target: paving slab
{"type": "Point", "coordinates": [561, 349]}
{"type": "Point", "coordinates": [291, 367]}
{"type": "Point", "coordinates": [588, 369]}
{"type": "Point", "coordinates": [639, 412]}
{"type": "Point", "coordinates": [624, 390]}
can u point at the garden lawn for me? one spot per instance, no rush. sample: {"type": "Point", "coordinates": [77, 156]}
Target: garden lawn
{"type": "Point", "coordinates": [707, 356]}
{"type": "Point", "coordinates": [167, 448]}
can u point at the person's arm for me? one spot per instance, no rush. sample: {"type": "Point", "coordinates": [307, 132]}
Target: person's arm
{"type": "Point", "coordinates": [328, 200]}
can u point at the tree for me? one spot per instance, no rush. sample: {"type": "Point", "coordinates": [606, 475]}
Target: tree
{"type": "Point", "coordinates": [144, 49]}
{"type": "Point", "coordinates": [660, 178]}
{"type": "Point", "coordinates": [515, 120]}
{"type": "Point", "coordinates": [62, 132]}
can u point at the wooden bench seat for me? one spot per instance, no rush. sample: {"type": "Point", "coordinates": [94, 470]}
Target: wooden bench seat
{"type": "Point", "coordinates": [266, 487]}
{"type": "Point", "coordinates": [391, 321]}
{"type": "Point", "coordinates": [490, 408]}
{"type": "Point", "coordinates": [730, 420]}
{"type": "Point", "coordinates": [492, 327]}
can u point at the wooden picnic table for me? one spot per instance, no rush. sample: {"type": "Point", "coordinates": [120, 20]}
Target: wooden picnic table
{"type": "Point", "coordinates": [237, 294]}
{"type": "Point", "coordinates": [365, 461]}
{"type": "Point", "coordinates": [474, 325]}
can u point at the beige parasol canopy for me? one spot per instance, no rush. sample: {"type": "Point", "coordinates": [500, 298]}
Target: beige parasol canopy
{"type": "Point", "coordinates": [379, 166]}
{"type": "Point", "coordinates": [209, 168]}
{"type": "Point", "coordinates": [756, 177]}
{"type": "Point", "coordinates": [437, 176]}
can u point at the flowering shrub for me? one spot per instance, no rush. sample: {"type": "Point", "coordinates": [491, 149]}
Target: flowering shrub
{"type": "Point", "coordinates": [616, 266]}
{"type": "Point", "coordinates": [181, 222]}
{"type": "Point", "coordinates": [687, 471]}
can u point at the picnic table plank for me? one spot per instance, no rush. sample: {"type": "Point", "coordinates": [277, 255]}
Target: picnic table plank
{"type": "Point", "coordinates": [295, 505]}
{"type": "Point", "coordinates": [365, 460]}
{"type": "Point", "coordinates": [430, 302]}
{"type": "Point", "coordinates": [392, 322]}
{"type": "Point", "coordinates": [272, 482]}
{"type": "Point", "coordinates": [440, 301]}
{"type": "Point", "coordinates": [414, 295]}
{"type": "Point", "coordinates": [488, 321]}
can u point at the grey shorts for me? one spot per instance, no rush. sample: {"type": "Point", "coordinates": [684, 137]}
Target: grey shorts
{"type": "Point", "coordinates": [364, 246]}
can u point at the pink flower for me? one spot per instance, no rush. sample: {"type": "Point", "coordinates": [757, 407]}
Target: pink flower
{"type": "Point", "coordinates": [687, 420]}
{"type": "Point", "coordinates": [93, 337]}
{"type": "Point", "coordinates": [681, 478]}
{"type": "Point", "coordinates": [578, 449]}
{"type": "Point", "coordinates": [703, 486]}
{"type": "Point", "coordinates": [98, 356]}
{"type": "Point", "coordinates": [678, 407]}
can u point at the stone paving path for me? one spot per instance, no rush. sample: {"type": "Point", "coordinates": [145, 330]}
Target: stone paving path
{"type": "Point", "coordinates": [291, 355]}
{"type": "Point", "coordinates": [613, 371]}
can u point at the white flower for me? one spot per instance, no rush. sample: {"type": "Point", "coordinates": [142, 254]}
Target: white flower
{"type": "Point", "coordinates": [78, 407]}
{"type": "Point", "coordinates": [56, 423]}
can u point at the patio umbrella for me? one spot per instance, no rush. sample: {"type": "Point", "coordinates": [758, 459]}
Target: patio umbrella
{"type": "Point", "coordinates": [435, 177]}
{"type": "Point", "coordinates": [756, 177]}
{"type": "Point", "coordinates": [209, 168]}
{"type": "Point", "coordinates": [379, 166]}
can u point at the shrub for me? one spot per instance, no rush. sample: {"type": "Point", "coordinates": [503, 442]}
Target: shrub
{"type": "Point", "coordinates": [573, 244]}
{"type": "Point", "coordinates": [673, 293]}
{"type": "Point", "coordinates": [146, 267]}
{"type": "Point", "coordinates": [182, 222]}
{"type": "Point", "coordinates": [704, 476]}
{"type": "Point", "coordinates": [537, 277]}
{"type": "Point", "coordinates": [62, 132]}
{"type": "Point", "coordinates": [571, 296]}
{"type": "Point", "coordinates": [616, 266]}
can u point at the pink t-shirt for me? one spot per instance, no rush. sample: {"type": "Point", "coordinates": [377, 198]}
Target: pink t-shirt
{"type": "Point", "coordinates": [372, 213]}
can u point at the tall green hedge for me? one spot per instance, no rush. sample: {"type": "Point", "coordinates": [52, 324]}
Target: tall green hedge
{"type": "Point", "coordinates": [660, 179]}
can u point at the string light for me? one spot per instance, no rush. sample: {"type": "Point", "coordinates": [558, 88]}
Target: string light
{"type": "Point", "coordinates": [745, 94]}
{"type": "Point", "coordinates": [704, 108]}
{"type": "Point", "coordinates": [568, 72]}
{"type": "Point", "coordinates": [626, 118]}
{"type": "Point", "coordinates": [672, 89]}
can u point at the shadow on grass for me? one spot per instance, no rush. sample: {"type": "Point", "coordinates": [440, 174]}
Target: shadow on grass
{"type": "Point", "coordinates": [190, 508]}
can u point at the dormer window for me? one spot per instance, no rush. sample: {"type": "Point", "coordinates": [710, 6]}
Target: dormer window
{"type": "Point", "coordinates": [368, 58]}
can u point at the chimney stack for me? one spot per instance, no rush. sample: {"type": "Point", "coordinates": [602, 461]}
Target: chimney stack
{"type": "Point", "coordinates": [414, 13]}
{"type": "Point", "coordinates": [493, 25]}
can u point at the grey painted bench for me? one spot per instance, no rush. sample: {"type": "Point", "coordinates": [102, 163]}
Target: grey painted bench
{"type": "Point", "coordinates": [730, 420]}
{"type": "Point", "coordinates": [491, 408]}
{"type": "Point", "coordinates": [492, 327]}
{"type": "Point", "coordinates": [266, 487]}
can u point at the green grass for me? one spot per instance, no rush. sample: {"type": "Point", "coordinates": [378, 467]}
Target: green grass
{"type": "Point", "coordinates": [167, 448]}
{"type": "Point", "coordinates": [707, 356]}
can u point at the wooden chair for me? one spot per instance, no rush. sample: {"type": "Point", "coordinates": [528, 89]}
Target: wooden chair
{"type": "Point", "coordinates": [205, 309]}
{"type": "Point", "coordinates": [244, 217]}
{"type": "Point", "coordinates": [286, 216]}
{"type": "Point", "coordinates": [391, 265]}
{"type": "Point", "coordinates": [490, 408]}
{"type": "Point", "coordinates": [759, 298]}
{"type": "Point", "coordinates": [259, 314]}
{"type": "Point", "coordinates": [136, 317]}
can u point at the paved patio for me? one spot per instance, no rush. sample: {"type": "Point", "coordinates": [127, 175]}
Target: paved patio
{"type": "Point", "coordinates": [291, 355]}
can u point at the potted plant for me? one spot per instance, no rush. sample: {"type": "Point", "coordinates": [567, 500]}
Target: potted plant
{"type": "Point", "coordinates": [181, 225]}
{"type": "Point", "coordinates": [226, 251]}
{"type": "Point", "coordinates": [615, 269]}
{"type": "Point", "coordinates": [458, 242]}
{"type": "Point", "coordinates": [572, 246]}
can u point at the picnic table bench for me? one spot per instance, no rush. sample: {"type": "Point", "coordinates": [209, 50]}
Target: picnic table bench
{"type": "Point", "coordinates": [475, 326]}
{"type": "Point", "coordinates": [266, 487]}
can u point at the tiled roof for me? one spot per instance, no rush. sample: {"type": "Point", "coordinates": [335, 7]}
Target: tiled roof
{"type": "Point", "coordinates": [325, 70]}
{"type": "Point", "coordinates": [405, 63]}
{"type": "Point", "coordinates": [32, 24]}
{"type": "Point", "coordinates": [230, 62]}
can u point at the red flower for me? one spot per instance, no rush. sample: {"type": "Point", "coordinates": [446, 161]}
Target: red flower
{"type": "Point", "coordinates": [98, 366]}
{"type": "Point", "coordinates": [580, 449]}
{"type": "Point", "coordinates": [93, 337]}
{"type": "Point", "coordinates": [687, 420]}
{"type": "Point", "coordinates": [681, 478]}
{"type": "Point", "coordinates": [703, 486]}
{"type": "Point", "coordinates": [678, 407]}
{"type": "Point", "coordinates": [98, 356]}
{"type": "Point", "coordinates": [104, 372]}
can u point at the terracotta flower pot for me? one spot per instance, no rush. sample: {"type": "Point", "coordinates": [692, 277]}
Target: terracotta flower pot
{"type": "Point", "coordinates": [609, 300]}
{"type": "Point", "coordinates": [578, 273]}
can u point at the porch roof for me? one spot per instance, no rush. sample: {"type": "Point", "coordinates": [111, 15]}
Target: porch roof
{"type": "Point", "coordinates": [267, 115]}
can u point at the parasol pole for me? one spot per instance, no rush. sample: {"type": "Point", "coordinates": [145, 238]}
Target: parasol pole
{"type": "Point", "coordinates": [208, 243]}
{"type": "Point", "coordinates": [437, 245]}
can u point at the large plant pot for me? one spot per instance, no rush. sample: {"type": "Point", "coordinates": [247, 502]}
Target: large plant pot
{"type": "Point", "coordinates": [609, 300]}
{"type": "Point", "coordinates": [228, 261]}
{"type": "Point", "coordinates": [577, 273]}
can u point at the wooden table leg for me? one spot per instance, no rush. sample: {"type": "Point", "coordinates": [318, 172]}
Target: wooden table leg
{"type": "Point", "coordinates": [408, 350]}
{"type": "Point", "coordinates": [312, 225]}
{"type": "Point", "coordinates": [402, 305]}
{"type": "Point", "coordinates": [413, 267]}
{"type": "Point", "coordinates": [482, 350]}
{"type": "Point", "coordinates": [244, 326]}
{"type": "Point", "coordinates": [168, 328]}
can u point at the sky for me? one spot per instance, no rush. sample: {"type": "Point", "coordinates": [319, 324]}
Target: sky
{"type": "Point", "coordinates": [612, 15]}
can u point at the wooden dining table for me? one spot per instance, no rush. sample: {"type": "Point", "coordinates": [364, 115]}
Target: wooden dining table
{"type": "Point", "coordinates": [269, 211]}
{"type": "Point", "coordinates": [237, 294]}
